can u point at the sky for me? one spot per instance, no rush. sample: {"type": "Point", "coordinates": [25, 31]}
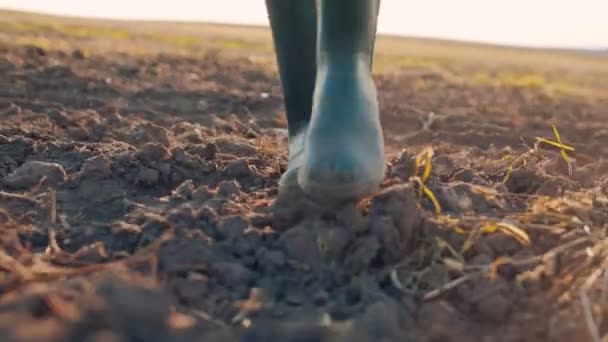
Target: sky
{"type": "Point", "coordinates": [544, 23]}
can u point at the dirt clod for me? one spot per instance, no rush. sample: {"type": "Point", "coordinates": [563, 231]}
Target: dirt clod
{"type": "Point", "coordinates": [98, 166]}
{"type": "Point", "coordinates": [229, 188]}
{"type": "Point", "coordinates": [32, 172]}
{"type": "Point", "coordinates": [238, 169]}
{"type": "Point", "coordinates": [148, 176]}
{"type": "Point", "coordinates": [231, 227]}
{"type": "Point", "coordinates": [152, 152]}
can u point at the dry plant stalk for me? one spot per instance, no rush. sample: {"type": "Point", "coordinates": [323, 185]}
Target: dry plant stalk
{"type": "Point", "coordinates": [563, 148]}
{"type": "Point", "coordinates": [589, 321]}
{"type": "Point", "coordinates": [488, 228]}
{"type": "Point", "coordinates": [424, 159]}
{"type": "Point", "coordinates": [491, 270]}
{"type": "Point", "coordinates": [522, 159]}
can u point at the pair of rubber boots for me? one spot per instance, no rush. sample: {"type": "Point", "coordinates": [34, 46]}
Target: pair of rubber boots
{"type": "Point", "coordinates": [324, 50]}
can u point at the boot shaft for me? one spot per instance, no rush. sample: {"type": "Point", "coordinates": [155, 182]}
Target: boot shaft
{"type": "Point", "coordinates": [311, 36]}
{"type": "Point", "coordinates": [346, 26]}
{"type": "Point", "coordinates": [294, 30]}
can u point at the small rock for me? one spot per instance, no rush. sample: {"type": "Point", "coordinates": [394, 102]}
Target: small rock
{"type": "Point", "coordinates": [104, 336]}
{"type": "Point", "coordinates": [165, 170]}
{"type": "Point", "coordinates": [182, 127]}
{"type": "Point", "coordinates": [403, 166]}
{"type": "Point", "coordinates": [440, 321]}
{"type": "Point", "coordinates": [128, 70]}
{"type": "Point", "coordinates": [97, 190]}
{"type": "Point", "coordinates": [334, 240]}
{"type": "Point", "coordinates": [464, 175]}
{"type": "Point", "coordinates": [600, 201]}
{"type": "Point", "coordinates": [176, 177]}
{"type": "Point", "coordinates": [114, 118]}
{"type": "Point", "coordinates": [207, 166]}
{"type": "Point", "coordinates": [148, 176]}
{"type": "Point", "coordinates": [271, 260]}
{"type": "Point", "coordinates": [232, 226]}
{"type": "Point", "coordinates": [303, 330]}
{"type": "Point", "coordinates": [202, 193]}
{"type": "Point", "coordinates": [77, 54]}
{"type": "Point", "coordinates": [93, 253]}
{"type": "Point", "coordinates": [400, 203]}
{"type": "Point", "coordinates": [284, 214]}
{"type": "Point", "coordinates": [98, 166]}
{"type": "Point", "coordinates": [179, 154]}
{"type": "Point", "coordinates": [237, 147]}
{"type": "Point", "coordinates": [559, 167]}
{"type": "Point", "coordinates": [523, 181]}
{"type": "Point", "coordinates": [232, 274]}
{"type": "Point", "coordinates": [500, 188]}
{"type": "Point", "coordinates": [490, 298]}
{"type": "Point", "coordinates": [58, 71]}
{"type": "Point", "coordinates": [152, 152]}
{"type": "Point", "coordinates": [434, 277]}
{"type": "Point", "coordinates": [238, 169]}
{"type": "Point", "coordinates": [229, 188]}
{"type": "Point", "coordinates": [481, 259]}
{"type": "Point", "coordinates": [502, 244]}
{"type": "Point", "coordinates": [320, 298]}
{"type": "Point", "coordinates": [207, 213]}
{"type": "Point", "coordinates": [260, 220]}
{"type": "Point", "coordinates": [388, 236]}
{"type": "Point", "coordinates": [192, 136]}
{"type": "Point", "coordinates": [554, 186]}
{"type": "Point", "coordinates": [35, 51]}
{"type": "Point", "coordinates": [30, 173]}
{"type": "Point", "coordinates": [584, 175]}
{"type": "Point", "coordinates": [300, 244]}
{"type": "Point", "coordinates": [204, 151]}
{"type": "Point", "coordinates": [382, 321]}
{"type": "Point", "coordinates": [182, 216]}
{"type": "Point", "coordinates": [78, 132]}
{"type": "Point", "coordinates": [443, 164]}
{"type": "Point", "coordinates": [462, 197]}
{"type": "Point", "coordinates": [361, 254]}
{"type": "Point", "coordinates": [480, 247]}
{"type": "Point", "coordinates": [352, 218]}
{"type": "Point", "coordinates": [494, 307]}
{"type": "Point", "coordinates": [125, 234]}
{"type": "Point", "coordinates": [150, 132]}
{"type": "Point", "coordinates": [252, 133]}
{"type": "Point", "coordinates": [184, 190]}
{"type": "Point", "coordinates": [60, 118]}
{"type": "Point", "coordinates": [176, 253]}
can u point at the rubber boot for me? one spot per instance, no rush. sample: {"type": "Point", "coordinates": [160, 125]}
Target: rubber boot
{"type": "Point", "coordinates": [343, 154]}
{"type": "Point", "coordinates": [294, 30]}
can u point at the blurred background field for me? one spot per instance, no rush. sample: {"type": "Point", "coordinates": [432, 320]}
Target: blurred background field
{"type": "Point", "coordinates": [554, 70]}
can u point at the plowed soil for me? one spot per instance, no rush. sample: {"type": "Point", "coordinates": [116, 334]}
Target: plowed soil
{"type": "Point", "coordinates": [139, 203]}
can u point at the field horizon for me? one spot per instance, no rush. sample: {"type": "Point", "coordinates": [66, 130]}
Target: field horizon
{"type": "Point", "coordinates": [41, 15]}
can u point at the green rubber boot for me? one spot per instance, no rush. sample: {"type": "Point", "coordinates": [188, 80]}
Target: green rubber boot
{"type": "Point", "coordinates": [294, 31]}
{"type": "Point", "coordinates": [343, 155]}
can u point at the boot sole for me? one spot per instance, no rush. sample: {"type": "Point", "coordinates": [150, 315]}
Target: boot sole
{"type": "Point", "coordinates": [342, 192]}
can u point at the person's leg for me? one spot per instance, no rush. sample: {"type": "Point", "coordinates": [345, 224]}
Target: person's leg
{"type": "Point", "coordinates": [344, 147]}
{"type": "Point", "coordinates": [294, 31]}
